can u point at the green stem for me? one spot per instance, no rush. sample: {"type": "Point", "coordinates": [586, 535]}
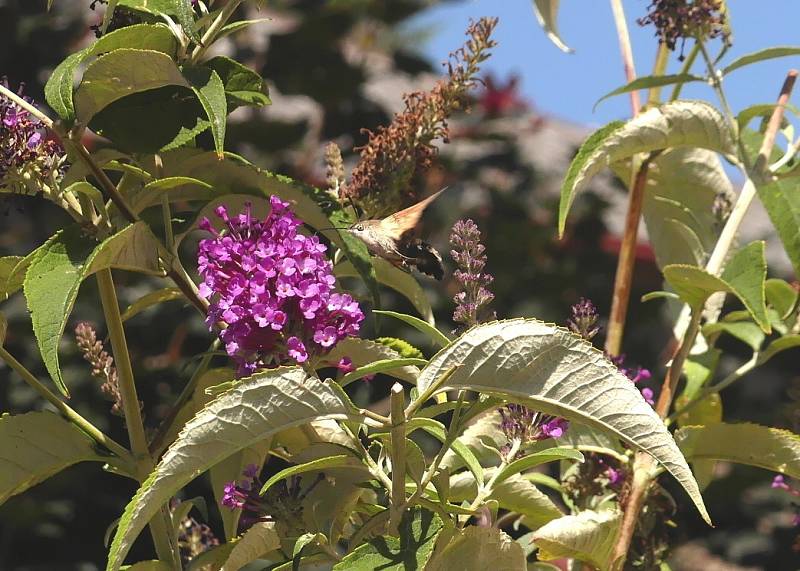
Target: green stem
{"type": "Point", "coordinates": [68, 412]}
{"type": "Point", "coordinates": [398, 436]}
{"type": "Point", "coordinates": [29, 107]}
{"type": "Point", "coordinates": [211, 33]}
{"type": "Point", "coordinates": [160, 525]}
{"type": "Point", "coordinates": [484, 491]}
{"type": "Point", "coordinates": [687, 66]}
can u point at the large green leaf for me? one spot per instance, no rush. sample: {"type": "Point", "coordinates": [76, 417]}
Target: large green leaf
{"type": "Point", "coordinates": [588, 536]}
{"type": "Point", "coordinates": [550, 369]}
{"type": "Point", "coordinates": [678, 207]}
{"type": "Point", "coordinates": [479, 549]}
{"type": "Point", "coordinates": [516, 493]}
{"type": "Point", "coordinates": [62, 263]}
{"type": "Point", "coordinates": [418, 531]}
{"type": "Point", "coordinates": [257, 541]}
{"type": "Point", "coordinates": [547, 14]}
{"type": "Point", "coordinates": [744, 276]}
{"type": "Point", "coordinates": [210, 91]}
{"type": "Point", "coordinates": [10, 280]}
{"type": "Point", "coordinates": [781, 199]}
{"type": "Point", "coordinates": [58, 91]}
{"type": "Point", "coordinates": [120, 73]}
{"type": "Point", "coordinates": [253, 410]}
{"type": "Point", "coordinates": [769, 448]}
{"type": "Point", "coordinates": [402, 282]}
{"type": "Point", "coordinates": [36, 445]}
{"type": "Point", "coordinates": [674, 124]}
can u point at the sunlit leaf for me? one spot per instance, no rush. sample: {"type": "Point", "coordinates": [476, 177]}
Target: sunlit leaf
{"type": "Point", "coordinates": [62, 263]}
{"type": "Point", "coordinates": [761, 55]}
{"type": "Point", "coordinates": [151, 299]}
{"type": "Point", "coordinates": [547, 14]}
{"type": "Point", "coordinates": [552, 370]}
{"type": "Point", "coordinates": [588, 537]}
{"type": "Point", "coordinates": [479, 549]}
{"type": "Point", "coordinates": [744, 276]}
{"type": "Point", "coordinates": [37, 445]}
{"type": "Point", "coordinates": [255, 409]}
{"type": "Point", "coordinates": [434, 334]}
{"type": "Point", "coordinates": [649, 81]}
{"type": "Point", "coordinates": [674, 124]}
{"type": "Point", "coordinates": [363, 352]}
{"type": "Point", "coordinates": [210, 90]}
{"type": "Point", "coordinates": [257, 541]}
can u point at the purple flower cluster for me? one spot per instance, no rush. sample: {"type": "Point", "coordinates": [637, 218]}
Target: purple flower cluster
{"type": "Point", "coordinates": [524, 425]}
{"type": "Point", "coordinates": [583, 319]}
{"type": "Point", "coordinates": [273, 289]}
{"type": "Point", "coordinates": [636, 375]}
{"type": "Point", "coordinates": [28, 160]}
{"type": "Point", "coordinates": [468, 253]}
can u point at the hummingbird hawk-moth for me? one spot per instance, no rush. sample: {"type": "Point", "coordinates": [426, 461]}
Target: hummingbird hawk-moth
{"type": "Point", "coordinates": [394, 239]}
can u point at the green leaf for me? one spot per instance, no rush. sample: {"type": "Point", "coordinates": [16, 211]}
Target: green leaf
{"type": "Point", "coordinates": [382, 366]}
{"type": "Point", "coordinates": [271, 401]}
{"type": "Point", "coordinates": [761, 55]}
{"type": "Point", "coordinates": [648, 81]}
{"type": "Point", "coordinates": [745, 331]}
{"type": "Point", "coordinates": [37, 445]}
{"type": "Point", "coordinates": [185, 13]}
{"type": "Point", "coordinates": [761, 446]}
{"type": "Point", "coordinates": [10, 279]}
{"type": "Point", "coordinates": [257, 541]}
{"type": "Point", "coordinates": [434, 334]}
{"type": "Point", "coordinates": [403, 348]}
{"type": "Point", "coordinates": [3, 328]}
{"type": "Point", "coordinates": [674, 124]}
{"type": "Point", "coordinates": [120, 73]}
{"type": "Point", "coordinates": [363, 352]}
{"type": "Point", "coordinates": [210, 90]}
{"type": "Point", "coordinates": [552, 370]}
{"type": "Point", "coordinates": [515, 493]}
{"type": "Point", "coordinates": [678, 208]}
{"type": "Point", "coordinates": [763, 110]}
{"type": "Point", "coordinates": [744, 276]}
{"type": "Point", "coordinates": [233, 27]}
{"type": "Point", "coordinates": [782, 202]}
{"type": "Point", "coordinates": [243, 86]}
{"type": "Point", "coordinates": [457, 448]}
{"type": "Point", "coordinates": [152, 565]}
{"type": "Point", "coordinates": [418, 531]}
{"type": "Point", "coordinates": [699, 369]}
{"type": "Point", "coordinates": [588, 536]}
{"type": "Point", "coordinates": [780, 295]}
{"type": "Point", "coordinates": [483, 438]}
{"type": "Point", "coordinates": [537, 459]}
{"type": "Point", "coordinates": [585, 439]}
{"type": "Point", "coordinates": [479, 549]}
{"type": "Point", "coordinates": [337, 461]}
{"type": "Point", "coordinates": [59, 267]}
{"type": "Point", "coordinates": [779, 345]}
{"type": "Point", "coordinates": [395, 278]}
{"type": "Point", "coordinates": [151, 299]}
{"type": "Point", "coordinates": [58, 90]}
{"type": "Point", "coordinates": [547, 14]}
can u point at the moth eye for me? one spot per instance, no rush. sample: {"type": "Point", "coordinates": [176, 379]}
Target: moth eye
{"type": "Point", "coordinates": [359, 228]}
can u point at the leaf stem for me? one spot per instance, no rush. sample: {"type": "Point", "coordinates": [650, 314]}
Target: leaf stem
{"type": "Point", "coordinates": [211, 33]}
{"type": "Point", "coordinates": [69, 413]}
{"type": "Point", "coordinates": [160, 526]}
{"type": "Point", "coordinates": [398, 436]}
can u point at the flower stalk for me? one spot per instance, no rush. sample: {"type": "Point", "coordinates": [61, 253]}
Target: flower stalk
{"type": "Point", "coordinates": [398, 433]}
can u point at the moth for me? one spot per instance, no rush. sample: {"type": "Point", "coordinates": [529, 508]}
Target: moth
{"type": "Point", "coordinates": [394, 239]}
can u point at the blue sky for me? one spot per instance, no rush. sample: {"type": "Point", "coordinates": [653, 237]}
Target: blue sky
{"type": "Point", "coordinates": [568, 85]}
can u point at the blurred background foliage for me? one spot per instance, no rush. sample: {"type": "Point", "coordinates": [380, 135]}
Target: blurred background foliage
{"type": "Point", "coordinates": [334, 68]}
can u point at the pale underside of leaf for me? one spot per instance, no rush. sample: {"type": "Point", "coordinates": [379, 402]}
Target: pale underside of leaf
{"type": "Point", "coordinates": [547, 14]}
{"type": "Point", "coordinates": [588, 536]}
{"type": "Point", "coordinates": [479, 549]}
{"type": "Point", "coordinates": [254, 410]}
{"type": "Point", "coordinates": [257, 541]}
{"type": "Point", "coordinates": [552, 370]}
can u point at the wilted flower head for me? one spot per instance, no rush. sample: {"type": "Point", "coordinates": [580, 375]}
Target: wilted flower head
{"type": "Point", "coordinates": [683, 19]}
{"type": "Point", "coordinates": [29, 161]}
{"type": "Point", "coordinates": [583, 319]}
{"type": "Point", "coordinates": [194, 538]}
{"type": "Point", "coordinates": [523, 425]}
{"type": "Point", "coordinates": [395, 155]}
{"type": "Point", "coordinates": [273, 288]}
{"type": "Point", "coordinates": [468, 254]}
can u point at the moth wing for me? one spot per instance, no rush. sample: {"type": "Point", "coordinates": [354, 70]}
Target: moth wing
{"type": "Point", "coordinates": [397, 224]}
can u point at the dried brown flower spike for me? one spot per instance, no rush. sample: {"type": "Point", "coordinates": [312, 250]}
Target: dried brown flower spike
{"type": "Point", "coordinates": [384, 179]}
